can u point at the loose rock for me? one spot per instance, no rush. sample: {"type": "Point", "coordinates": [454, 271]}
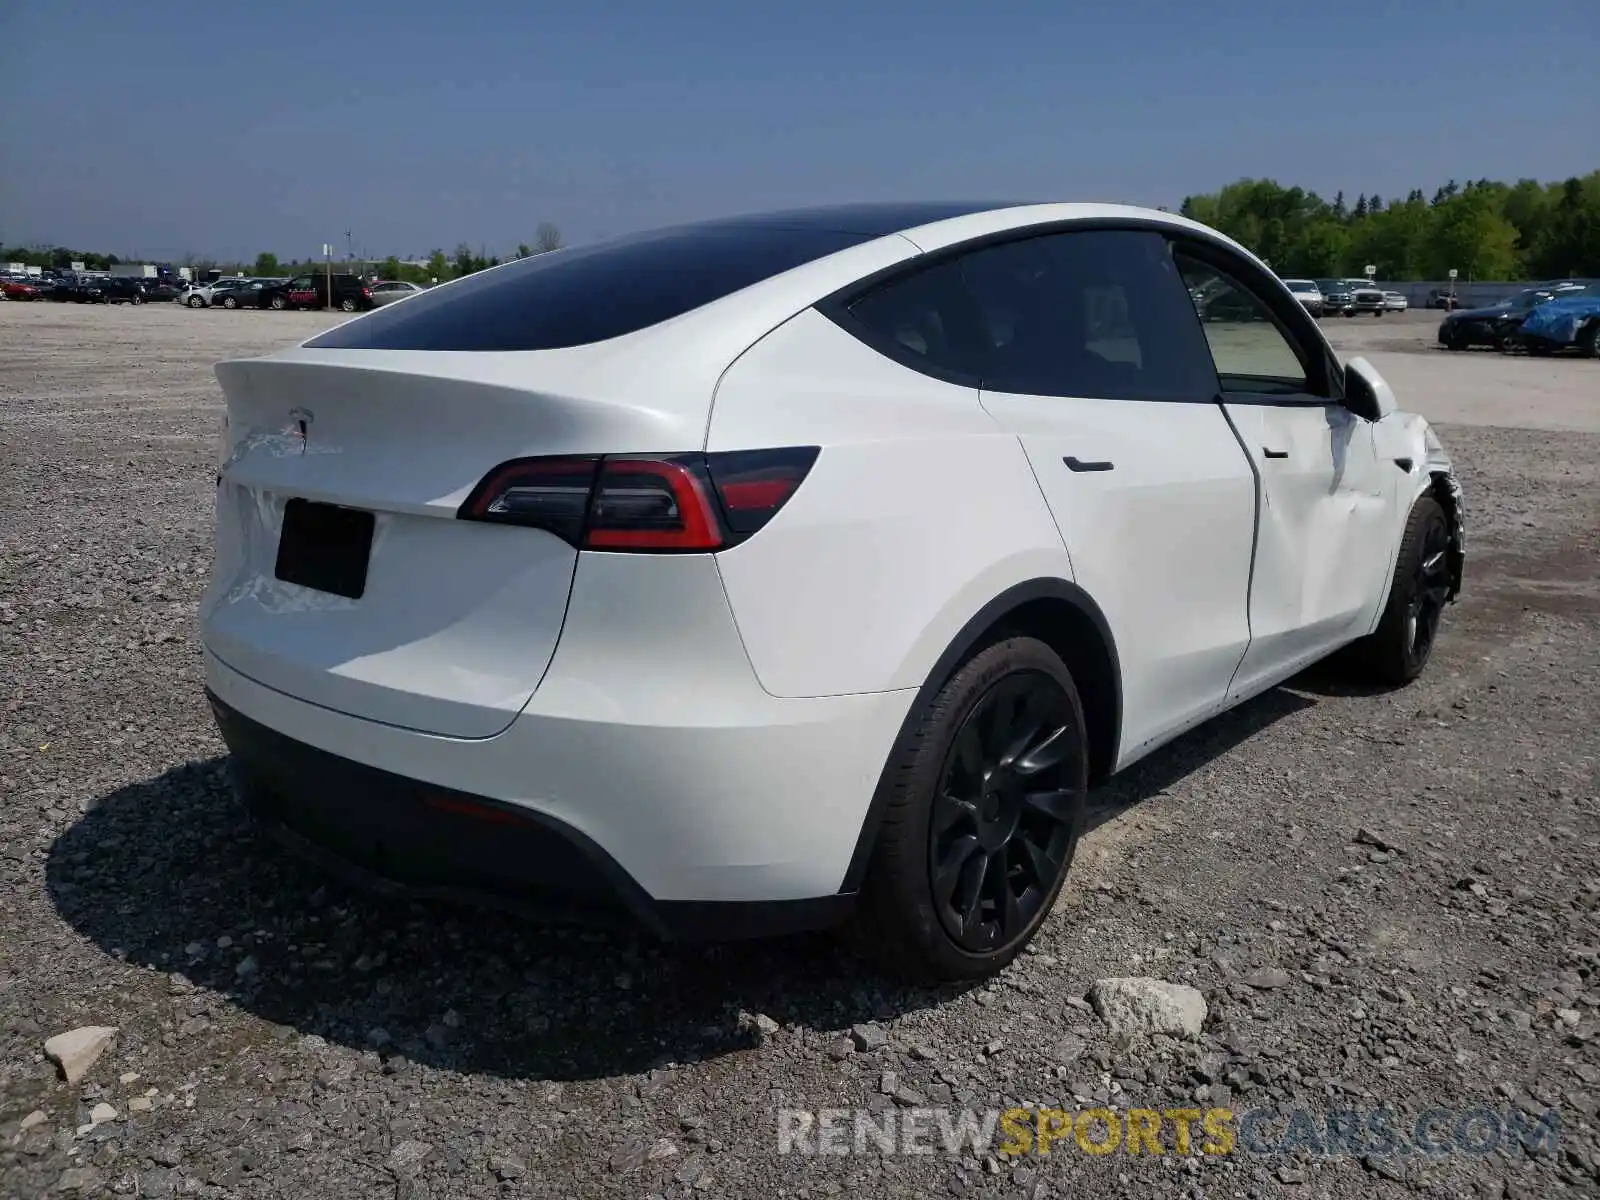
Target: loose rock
{"type": "Point", "coordinates": [1142, 1005]}
{"type": "Point", "coordinates": [75, 1051]}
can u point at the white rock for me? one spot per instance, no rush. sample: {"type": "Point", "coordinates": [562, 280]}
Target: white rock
{"type": "Point", "coordinates": [409, 1155]}
{"type": "Point", "coordinates": [140, 1104]}
{"type": "Point", "coordinates": [36, 1117]}
{"type": "Point", "coordinates": [75, 1051]}
{"type": "Point", "coordinates": [1138, 1005]}
{"type": "Point", "coordinates": [101, 1113]}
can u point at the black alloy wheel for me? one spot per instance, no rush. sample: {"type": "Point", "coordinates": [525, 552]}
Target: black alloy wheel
{"type": "Point", "coordinates": [982, 802]}
{"type": "Point", "coordinates": [1396, 652]}
{"type": "Point", "coordinates": [1004, 812]}
{"type": "Point", "coordinates": [1430, 592]}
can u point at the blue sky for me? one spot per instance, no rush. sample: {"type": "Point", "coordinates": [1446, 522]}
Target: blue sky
{"type": "Point", "coordinates": [166, 127]}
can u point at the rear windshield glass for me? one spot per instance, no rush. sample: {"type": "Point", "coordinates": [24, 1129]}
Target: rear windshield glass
{"type": "Point", "coordinates": [576, 296]}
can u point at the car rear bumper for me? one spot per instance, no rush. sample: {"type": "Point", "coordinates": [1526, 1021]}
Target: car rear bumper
{"type": "Point", "coordinates": [671, 774]}
{"type": "Point", "coordinates": [401, 837]}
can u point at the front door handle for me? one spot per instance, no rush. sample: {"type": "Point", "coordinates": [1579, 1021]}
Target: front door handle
{"type": "Point", "coordinates": [1078, 464]}
{"type": "Point", "coordinates": [1271, 453]}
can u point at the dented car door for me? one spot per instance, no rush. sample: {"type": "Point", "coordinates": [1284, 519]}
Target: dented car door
{"type": "Point", "coordinates": [1323, 537]}
{"type": "Point", "coordinates": [1324, 516]}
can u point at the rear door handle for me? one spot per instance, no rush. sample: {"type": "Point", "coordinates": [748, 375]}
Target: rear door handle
{"type": "Point", "coordinates": [1271, 453]}
{"type": "Point", "coordinates": [1078, 464]}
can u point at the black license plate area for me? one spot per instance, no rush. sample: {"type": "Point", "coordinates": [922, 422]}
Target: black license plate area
{"type": "Point", "coordinates": [326, 547]}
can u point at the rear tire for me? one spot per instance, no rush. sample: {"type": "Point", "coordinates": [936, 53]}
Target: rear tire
{"type": "Point", "coordinates": [1395, 653]}
{"type": "Point", "coordinates": [229, 302]}
{"type": "Point", "coordinates": [279, 303]}
{"type": "Point", "coordinates": [1589, 340]}
{"type": "Point", "coordinates": [986, 797]}
{"type": "Point", "coordinates": [347, 305]}
{"type": "Point", "coordinates": [195, 302]}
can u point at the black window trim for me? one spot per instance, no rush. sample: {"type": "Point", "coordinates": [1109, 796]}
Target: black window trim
{"type": "Point", "coordinates": [836, 307]}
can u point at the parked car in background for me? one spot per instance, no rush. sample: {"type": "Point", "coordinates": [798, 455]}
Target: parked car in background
{"type": "Point", "coordinates": [1336, 298]}
{"type": "Point", "coordinates": [79, 289]}
{"type": "Point", "coordinates": [1445, 298]}
{"type": "Point", "coordinates": [350, 294]}
{"type": "Point", "coordinates": [1494, 323]}
{"type": "Point", "coordinates": [1308, 293]}
{"type": "Point", "coordinates": [200, 296]}
{"type": "Point", "coordinates": [387, 291]}
{"type": "Point", "coordinates": [21, 289]}
{"type": "Point", "coordinates": [1569, 322]}
{"type": "Point", "coordinates": [161, 290]}
{"type": "Point", "coordinates": [1365, 297]}
{"type": "Point", "coordinates": [1394, 302]}
{"type": "Point", "coordinates": [123, 289]}
{"type": "Point", "coordinates": [243, 293]}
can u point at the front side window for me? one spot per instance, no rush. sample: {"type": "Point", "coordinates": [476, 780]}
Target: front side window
{"type": "Point", "coordinates": [1251, 352]}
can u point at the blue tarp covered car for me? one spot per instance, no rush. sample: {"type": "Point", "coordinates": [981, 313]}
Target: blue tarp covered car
{"type": "Point", "coordinates": [1571, 323]}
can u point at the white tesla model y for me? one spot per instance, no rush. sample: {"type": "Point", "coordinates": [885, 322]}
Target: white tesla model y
{"type": "Point", "coordinates": [754, 575]}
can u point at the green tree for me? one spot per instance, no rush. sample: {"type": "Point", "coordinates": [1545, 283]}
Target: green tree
{"type": "Point", "coordinates": [547, 237]}
{"type": "Point", "coordinates": [1470, 235]}
{"type": "Point", "coordinates": [524, 250]}
{"type": "Point", "coordinates": [389, 268]}
{"type": "Point", "coordinates": [438, 266]}
{"type": "Point", "coordinates": [268, 264]}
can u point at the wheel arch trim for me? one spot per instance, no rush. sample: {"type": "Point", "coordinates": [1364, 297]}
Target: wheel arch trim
{"type": "Point", "coordinates": [960, 648]}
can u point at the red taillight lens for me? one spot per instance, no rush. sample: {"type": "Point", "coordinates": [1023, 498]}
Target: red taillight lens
{"type": "Point", "coordinates": [659, 503]}
{"type": "Point", "coordinates": [652, 504]}
{"type": "Point", "coordinates": [754, 484]}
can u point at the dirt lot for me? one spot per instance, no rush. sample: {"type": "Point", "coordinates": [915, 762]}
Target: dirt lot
{"type": "Point", "coordinates": [280, 1036]}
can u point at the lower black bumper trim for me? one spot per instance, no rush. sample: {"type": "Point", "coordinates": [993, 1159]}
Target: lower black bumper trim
{"type": "Point", "coordinates": [405, 839]}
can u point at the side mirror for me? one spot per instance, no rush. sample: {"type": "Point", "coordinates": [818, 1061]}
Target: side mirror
{"type": "Point", "coordinates": [1365, 392]}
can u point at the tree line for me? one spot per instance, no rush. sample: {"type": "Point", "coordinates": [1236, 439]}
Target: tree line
{"type": "Point", "coordinates": [1483, 229]}
{"type": "Point", "coordinates": [437, 266]}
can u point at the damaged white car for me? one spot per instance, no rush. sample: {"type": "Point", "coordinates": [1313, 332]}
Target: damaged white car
{"type": "Point", "coordinates": [773, 572]}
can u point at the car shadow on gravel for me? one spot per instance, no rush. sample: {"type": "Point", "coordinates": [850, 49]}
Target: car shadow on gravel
{"type": "Point", "coordinates": [169, 874]}
{"type": "Point", "coordinates": [1167, 766]}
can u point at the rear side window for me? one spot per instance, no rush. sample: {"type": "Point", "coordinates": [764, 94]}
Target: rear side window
{"type": "Point", "coordinates": [573, 297]}
{"type": "Point", "coordinates": [1098, 313]}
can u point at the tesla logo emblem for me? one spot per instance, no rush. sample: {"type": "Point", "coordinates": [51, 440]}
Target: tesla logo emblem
{"type": "Point", "coordinates": [302, 418]}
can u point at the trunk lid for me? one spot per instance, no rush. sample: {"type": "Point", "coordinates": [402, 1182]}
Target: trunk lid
{"type": "Point", "coordinates": [455, 622]}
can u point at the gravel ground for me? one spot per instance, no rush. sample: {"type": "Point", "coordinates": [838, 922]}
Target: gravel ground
{"type": "Point", "coordinates": [282, 1036]}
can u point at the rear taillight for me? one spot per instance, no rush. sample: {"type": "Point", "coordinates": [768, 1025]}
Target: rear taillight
{"type": "Point", "coordinates": [548, 493]}
{"type": "Point", "coordinates": [653, 503]}
{"type": "Point", "coordinates": [754, 484]}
